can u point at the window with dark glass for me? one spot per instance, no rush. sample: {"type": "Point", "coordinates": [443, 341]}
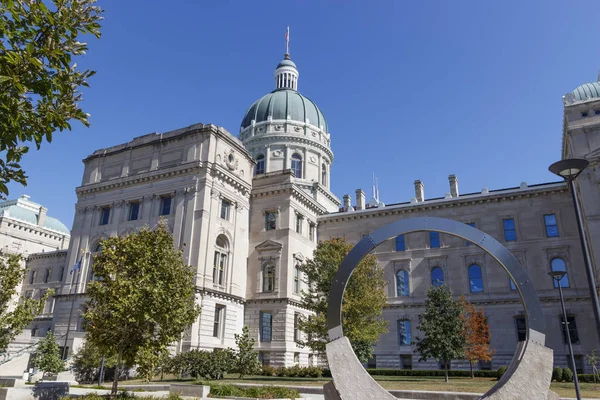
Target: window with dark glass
{"type": "Point", "coordinates": [473, 225]}
{"type": "Point", "coordinates": [297, 165]}
{"type": "Point", "coordinates": [521, 328]}
{"type": "Point", "coordinates": [296, 279]}
{"type": "Point", "coordinates": [225, 208]}
{"type": "Point", "coordinates": [437, 276]}
{"type": "Point", "coordinates": [299, 221]}
{"type": "Point", "coordinates": [296, 327]}
{"type": "Point", "coordinates": [165, 205]}
{"type": "Point", "coordinates": [434, 240]}
{"type": "Point", "coordinates": [558, 264]}
{"type": "Point", "coordinates": [48, 274]}
{"type": "Point", "coordinates": [104, 215]}
{"type": "Point", "coordinates": [219, 310]}
{"type": "Point", "coordinates": [324, 174]}
{"type": "Point", "coordinates": [32, 277]}
{"type": "Point", "coordinates": [551, 225]}
{"type": "Point", "coordinates": [510, 233]}
{"type": "Point", "coordinates": [270, 221]}
{"type": "Point", "coordinates": [512, 284]}
{"type": "Point", "coordinates": [266, 323]}
{"type": "Point", "coordinates": [402, 288]}
{"type": "Point", "coordinates": [572, 329]}
{"type": "Point", "coordinates": [260, 165]}
{"type": "Point", "coordinates": [220, 260]}
{"type": "Point", "coordinates": [404, 337]}
{"type": "Point", "coordinates": [311, 232]}
{"type": "Point", "coordinates": [268, 281]}
{"type": "Point", "coordinates": [134, 210]}
{"type": "Point", "coordinates": [406, 361]}
{"type": "Point", "coordinates": [400, 243]}
{"type": "Point", "coordinates": [475, 279]}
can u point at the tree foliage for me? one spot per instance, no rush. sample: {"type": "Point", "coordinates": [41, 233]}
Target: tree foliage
{"type": "Point", "coordinates": [39, 83]}
{"type": "Point", "coordinates": [245, 359]}
{"type": "Point", "coordinates": [15, 315]}
{"type": "Point", "coordinates": [87, 361]}
{"type": "Point", "coordinates": [443, 327]}
{"type": "Point", "coordinates": [363, 304]}
{"type": "Point", "coordinates": [48, 358]}
{"type": "Point", "coordinates": [476, 333]}
{"type": "Point", "coordinates": [143, 298]}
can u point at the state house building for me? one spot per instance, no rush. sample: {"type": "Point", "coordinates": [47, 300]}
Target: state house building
{"type": "Point", "coordinates": [251, 208]}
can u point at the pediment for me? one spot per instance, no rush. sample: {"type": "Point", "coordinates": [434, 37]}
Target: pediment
{"type": "Point", "coordinates": [299, 257]}
{"type": "Point", "coordinates": [269, 245]}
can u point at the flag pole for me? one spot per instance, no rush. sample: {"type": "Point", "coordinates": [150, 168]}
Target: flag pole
{"type": "Point", "coordinates": [287, 41]}
{"type": "Point", "coordinates": [77, 275]}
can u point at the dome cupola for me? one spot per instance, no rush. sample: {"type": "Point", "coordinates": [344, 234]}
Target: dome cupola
{"type": "Point", "coordinates": [286, 74]}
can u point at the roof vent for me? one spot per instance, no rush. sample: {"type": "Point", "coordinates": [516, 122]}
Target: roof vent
{"type": "Point", "coordinates": [523, 185]}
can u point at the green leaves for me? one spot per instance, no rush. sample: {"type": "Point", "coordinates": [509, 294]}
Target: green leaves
{"type": "Point", "coordinates": [12, 322]}
{"type": "Point", "coordinates": [39, 89]}
{"type": "Point", "coordinates": [245, 360]}
{"type": "Point", "coordinates": [143, 298]}
{"type": "Point", "coordinates": [364, 299]}
{"type": "Point", "coordinates": [48, 357]}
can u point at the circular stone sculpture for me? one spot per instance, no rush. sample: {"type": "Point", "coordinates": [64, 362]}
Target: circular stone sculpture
{"type": "Point", "coordinates": [528, 376]}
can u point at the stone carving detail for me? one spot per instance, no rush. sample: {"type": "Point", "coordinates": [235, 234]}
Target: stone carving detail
{"type": "Point", "coordinates": [277, 153]}
{"type": "Point", "coordinates": [231, 160]}
{"type": "Point", "coordinates": [298, 128]}
{"type": "Point", "coordinates": [278, 127]}
{"type": "Point", "coordinates": [312, 159]}
{"type": "Point", "coordinates": [558, 252]}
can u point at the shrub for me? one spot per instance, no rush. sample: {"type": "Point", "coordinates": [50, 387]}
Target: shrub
{"type": "Point", "coordinates": [557, 374]}
{"type": "Point", "coordinates": [262, 392]}
{"type": "Point", "coordinates": [267, 370]}
{"type": "Point", "coordinates": [501, 371]}
{"type": "Point", "coordinates": [587, 378]}
{"type": "Point", "coordinates": [567, 375]}
{"type": "Point", "coordinates": [417, 372]}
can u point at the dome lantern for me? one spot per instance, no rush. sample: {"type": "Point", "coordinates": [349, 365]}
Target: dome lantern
{"type": "Point", "coordinates": [286, 74]}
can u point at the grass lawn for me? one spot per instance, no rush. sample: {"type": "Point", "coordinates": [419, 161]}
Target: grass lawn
{"type": "Point", "coordinates": [477, 385]}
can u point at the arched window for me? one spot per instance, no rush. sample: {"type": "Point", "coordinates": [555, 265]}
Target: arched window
{"type": "Point", "coordinates": [402, 288]}
{"type": "Point", "coordinates": [220, 260]}
{"type": "Point", "coordinates": [268, 278]}
{"type": "Point", "coordinates": [324, 174]}
{"type": "Point", "coordinates": [475, 279]}
{"type": "Point", "coordinates": [558, 264]}
{"type": "Point", "coordinates": [437, 276]}
{"type": "Point", "coordinates": [98, 248]}
{"type": "Point", "coordinates": [260, 165]}
{"type": "Point", "coordinates": [297, 165]}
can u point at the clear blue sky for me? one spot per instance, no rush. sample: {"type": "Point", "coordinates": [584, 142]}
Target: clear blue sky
{"type": "Point", "coordinates": [410, 89]}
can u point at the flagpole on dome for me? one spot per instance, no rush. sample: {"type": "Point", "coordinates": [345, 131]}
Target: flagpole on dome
{"type": "Point", "coordinates": [287, 43]}
{"type": "Point", "coordinates": [77, 269]}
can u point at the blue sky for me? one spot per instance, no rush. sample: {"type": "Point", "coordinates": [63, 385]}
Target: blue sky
{"type": "Point", "coordinates": [411, 90]}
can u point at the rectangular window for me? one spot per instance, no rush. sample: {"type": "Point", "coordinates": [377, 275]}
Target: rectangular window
{"type": "Point", "coordinates": [404, 338]}
{"type": "Point", "coordinates": [266, 325]}
{"type": "Point", "coordinates": [296, 358]}
{"type": "Point", "coordinates": [372, 363]}
{"type": "Point", "coordinates": [32, 277]}
{"type": "Point", "coordinates": [406, 361]}
{"type": "Point", "coordinates": [473, 225]}
{"type": "Point", "coordinates": [311, 232]}
{"type": "Point", "coordinates": [572, 329]}
{"type": "Point", "coordinates": [400, 243]}
{"type": "Point", "coordinates": [134, 210]}
{"type": "Point", "coordinates": [521, 328]}
{"type": "Point", "coordinates": [434, 240]}
{"type": "Point", "coordinates": [551, 226]}
{"type": "Point", "coordinates": [296, 327]}
{"type": "Point", "coordinates": [299, 220]}
{"type": "Point", "coordinates": [270, 221]}
{"type": "Point", "coordinates": [104, 215]}
{"type": "Point", "coordinates": [165, 205]}
{"type": "Point", "coordinates": [48, 275]}
{"type": "Point", "coordinates": [219, 265]}
{"type": "Point", "coordinates": [219, 311]}
{"type": "Point", "coordinates": [62, 273]}
{"type": "Point", "coordinates": [296, 280]}
{"type": "Point", "coordinates": [510, 233]}
{"type": "Point", "coordinates": [225, 208]}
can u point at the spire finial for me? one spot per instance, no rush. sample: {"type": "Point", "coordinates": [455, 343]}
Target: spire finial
{"type": "Point", "coordinates": [287, 43]}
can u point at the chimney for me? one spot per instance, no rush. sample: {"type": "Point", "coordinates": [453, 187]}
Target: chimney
{"type": "Point", "coordinates": [453, 185]}
{"type": "Point", "coordinates": [42, 216]}
{"type": "Point", "coordinates": [347, 203]}
{"type": "Point", "coordinates": [360, 199]}
{"type": "Point", "coordinates": [419, 191]}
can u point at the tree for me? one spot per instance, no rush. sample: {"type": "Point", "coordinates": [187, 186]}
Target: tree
{"type": "Point", "coordinates": [87, 361]}
{"type": "Point", "coordinates": [148, 360]}
{"type": "Point", "coordinates": [48, 358]}
{"type": "Point", "coordinates": [592, 360]}
{"type": "Point", "coordinates": [142, 298]}
{"type": "Point", "coordinates": [245, 360]}
{"type": "Point", "coordinates": [443, 327]}
{"type": "Point", "coordinates": [363, 304]}
{"type": "Point", "coordinates": [39, 84]}
{"type": "Point", "coordinates": [476, 333]}
{"type": "Point", "coordinates": [15, 313]}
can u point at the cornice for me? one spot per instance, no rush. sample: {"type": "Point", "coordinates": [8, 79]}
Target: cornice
{"type": "Point", "coordinates": [221, 295]}
{"type": "Point", "coordinates": [322, 189]}
{"type": "Point", "coordinates": [440, 204]}
{"type": "Point", "coordinates": [261, 139]}
{"type": "Point", "coordinates": [35, 228]}
{"type": "Point", "coordinates": [295, 193]}
{"type": "Point", "coordinates": [490, 301]}
{"type": "Point", "coordinates": [284, 301]}
{"type": "Point", "coordinates": [226, 176]}
{"type": "Point", "coordinates": [48, 254]}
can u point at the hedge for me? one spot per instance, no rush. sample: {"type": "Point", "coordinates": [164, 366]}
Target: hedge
{"type": "Point", "coordinates": [432, 372]}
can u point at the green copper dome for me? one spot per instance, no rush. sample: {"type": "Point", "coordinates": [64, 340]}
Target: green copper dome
{"type": "Point", "coordinates": [281, 103]}
{"type": "Point", "coordinates": [286, 62]}
{"type": "Point", "coordinates": [587, 91]}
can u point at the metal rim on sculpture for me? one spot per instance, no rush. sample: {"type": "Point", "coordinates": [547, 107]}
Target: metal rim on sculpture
{"type": "Point", "coordinates": [533, 310]}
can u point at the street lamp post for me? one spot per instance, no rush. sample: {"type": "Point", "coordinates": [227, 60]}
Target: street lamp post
{"type": "Point", "coordinates": [569, 170]}
{"type": "Point", "coordinates": [557, 276]}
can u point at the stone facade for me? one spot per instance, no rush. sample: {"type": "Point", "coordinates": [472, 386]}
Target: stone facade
{"type": "Point", "coordinates": [249, 210]}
